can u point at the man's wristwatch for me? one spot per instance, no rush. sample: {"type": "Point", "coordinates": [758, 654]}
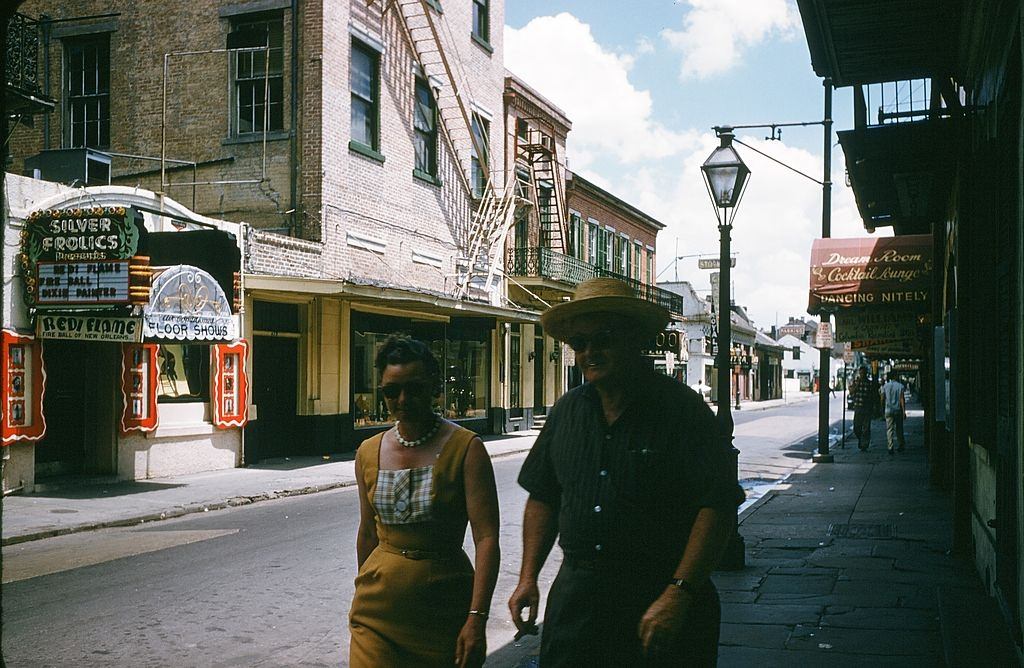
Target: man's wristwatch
{"type": "Point", "coordinates": [685, 585]}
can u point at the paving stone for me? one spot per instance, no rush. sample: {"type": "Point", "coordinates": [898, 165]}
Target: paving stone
{"type": "Point", "coordinates": [797, 584]}
{"type": "Point", "coordinates": [790, 563]}
{"type": "Point", "coordinates": [780, 554]}
{"type": "Point", "coordinates": [866, 642]}
{"type": "Point", "coordinates": [738, 582]}
{"type": "Point", "coordinates": [726, 596]}
{"type": "Point", "coordinates": [804, 570]}
{"type": "Point", "coordinates": [900, 589]}
{"type": "Point", "coordinates": [877, 599]}
{"type": "Point", "coordinates": [771, 636]}
{"type": "Point", "coordinates": [795, 543]}
{"type": "Point", "coordinates": [922, 600]}
{"type": "Point", "coordinates": [745, 657]}
{"type": "Point", "coordinates": [889, 619]}
{"type": "Point", "coordinates": [847, 563]}
{"type": "Point", "coordinates": [790, 615]}
{"type": "Point", "coordinates": [888, 574]}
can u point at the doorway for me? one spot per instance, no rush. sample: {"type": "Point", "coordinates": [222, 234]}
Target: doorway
{"type": "Point", "coordinates": [274, 383]}
{"type": "Point", "coordinates": [539, 362]}
{"type": "Point", "coordinates": [81, 409]}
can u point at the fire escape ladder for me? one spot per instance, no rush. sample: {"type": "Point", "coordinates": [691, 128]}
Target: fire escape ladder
{"type": "Point", "coordinates": [427, 37]}
{"type": "Point", "coordinates": [539, 151]}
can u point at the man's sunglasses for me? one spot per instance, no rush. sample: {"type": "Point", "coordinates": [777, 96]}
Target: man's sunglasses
{"type": "Point", "coordinates": [392, 390]}
{"type": "Point", "coordinates": [599, 340]}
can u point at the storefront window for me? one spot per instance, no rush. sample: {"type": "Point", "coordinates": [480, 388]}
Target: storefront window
{"type": "Point", "coordinates": [184, 372]}
{"type": "Point", "coordinates": [462, 349]}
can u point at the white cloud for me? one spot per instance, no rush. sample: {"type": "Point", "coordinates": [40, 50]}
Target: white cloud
{"type": "Point", "coordinates": [559, 57]}
{"type": "Point", "coordinates": [716, 32]}
{"type": "Point", "coordinates": [775, 223]}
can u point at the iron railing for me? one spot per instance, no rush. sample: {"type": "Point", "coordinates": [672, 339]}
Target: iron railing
{"type": "Point", "coordinates": [22, 69]}
{"type": "Point", "coordinates": [547, 263]}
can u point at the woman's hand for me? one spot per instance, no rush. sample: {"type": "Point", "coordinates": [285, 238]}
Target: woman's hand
{"type": "Point", "coordinates": [471, 645]}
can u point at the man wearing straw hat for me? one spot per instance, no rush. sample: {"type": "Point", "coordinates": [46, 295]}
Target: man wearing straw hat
{"type": "Point", "coordinates": [632, 477]}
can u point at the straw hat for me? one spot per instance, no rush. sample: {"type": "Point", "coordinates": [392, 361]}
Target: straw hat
{"type": "Point", "coordinates": [604, 295]}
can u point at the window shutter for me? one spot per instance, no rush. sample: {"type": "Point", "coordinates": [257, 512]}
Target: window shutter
{"type": "Point", "coordinates": [138, 387]}
{"type": "Point", "coordinates": [24, 384]}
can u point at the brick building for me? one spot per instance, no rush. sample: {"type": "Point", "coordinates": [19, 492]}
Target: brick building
{"type": "Point", "coordinates": [350, 142]}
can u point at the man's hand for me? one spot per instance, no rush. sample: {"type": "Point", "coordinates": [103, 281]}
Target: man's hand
{"type": "Point", "coordinates": [471, 645]}
{"type": "Point", "coordinates": [526, 595]}
{"type": "Point", "coordinates": [662, 624]}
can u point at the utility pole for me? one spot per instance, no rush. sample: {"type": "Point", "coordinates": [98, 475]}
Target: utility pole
{"type": "Point", "coordinates": [825, 354]}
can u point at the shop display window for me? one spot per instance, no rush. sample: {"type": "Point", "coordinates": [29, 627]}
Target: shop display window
{"type": "Point", "coordinates": [138, 387]}
{"type": "Point", "coordinates": [184, 372]}
{"type": "Point", "coordinates": [230, 385]}
{"type": "Point", "coordinates": [465, 365]}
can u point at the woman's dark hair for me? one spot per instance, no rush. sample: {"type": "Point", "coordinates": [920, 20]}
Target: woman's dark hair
{"type": "Point", "coordinates": [401, 349]}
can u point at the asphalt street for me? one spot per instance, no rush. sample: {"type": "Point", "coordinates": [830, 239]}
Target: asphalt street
{"type": "Point", "coordinates": [262, 585]}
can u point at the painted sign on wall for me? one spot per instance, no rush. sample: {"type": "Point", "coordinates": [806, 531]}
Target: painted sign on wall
{"type": "Point", "coordinates": [89, 328]}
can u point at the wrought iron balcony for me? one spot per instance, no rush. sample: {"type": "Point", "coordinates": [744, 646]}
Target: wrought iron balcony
{"type": "Point", "coordinates": [546, 263]}
{"type": "Point", "coordinates": [22, 90]}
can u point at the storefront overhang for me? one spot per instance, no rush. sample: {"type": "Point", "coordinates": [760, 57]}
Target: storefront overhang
{"type": "Point", "coordinates": [901, 174]}
{"type": "Point", "coordinates": [298, 288]}
{"type": "Point", "coordinates": [867, 41]}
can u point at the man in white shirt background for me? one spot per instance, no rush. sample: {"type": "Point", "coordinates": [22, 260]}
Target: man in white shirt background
{"type": "Point", "coordinates": [893, 403]}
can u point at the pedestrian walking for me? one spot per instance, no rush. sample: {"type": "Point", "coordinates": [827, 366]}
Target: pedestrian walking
{"type": "Point", "coordinates": [417, 599]}
{"type": "Point", "coordinates": [632, 477]}
{"type": "Point", "coordinates": [862, 391]}
{"type": "Point", "coordinates": [895, 408]}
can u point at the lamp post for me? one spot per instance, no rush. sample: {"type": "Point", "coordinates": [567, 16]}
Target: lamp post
{"type": "Point", "coordinates": [725, 176]}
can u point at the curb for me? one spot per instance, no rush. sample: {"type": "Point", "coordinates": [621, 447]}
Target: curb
{"type": "Point", "coordinates": [181, 511]}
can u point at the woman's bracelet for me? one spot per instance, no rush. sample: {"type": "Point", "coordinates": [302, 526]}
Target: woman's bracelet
{"type": "Point", "coordinates": [479, 613]}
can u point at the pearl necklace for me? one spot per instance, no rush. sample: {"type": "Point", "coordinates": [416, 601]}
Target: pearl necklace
{"type": "Point", "coordinates": [422, 439]}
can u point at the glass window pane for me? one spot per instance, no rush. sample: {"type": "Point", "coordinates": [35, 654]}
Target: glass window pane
{"type": "Point", "coordinates": [362, 125]}
{"type": "Point", "coordinates": [183, 373]}
{"type": "Point", "coordinates": [361, 74]}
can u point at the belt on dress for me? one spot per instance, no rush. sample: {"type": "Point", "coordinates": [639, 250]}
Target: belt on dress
{"type": "Point", "coordinates": [418, 555]}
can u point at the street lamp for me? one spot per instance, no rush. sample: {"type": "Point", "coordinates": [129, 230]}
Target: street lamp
{"type": "Point", "coordinates": [726, 176]}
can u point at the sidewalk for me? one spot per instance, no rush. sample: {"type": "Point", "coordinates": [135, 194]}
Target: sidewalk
{"type": "Point", "coordinates": [848, 564]}
{"type": "Point", "coordinates": [53, 511]}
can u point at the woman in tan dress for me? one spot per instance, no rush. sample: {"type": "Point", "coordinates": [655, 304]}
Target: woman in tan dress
{"type": "Point", "coordinates": [418, 601]}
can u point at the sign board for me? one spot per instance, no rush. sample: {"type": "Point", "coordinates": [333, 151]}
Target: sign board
{"type": "Point", "coordinates": [77, 283]}
{"type": "Point", "coordinates": [668, 341]}
{"type": "Point", "coordinates": [823, 337]}
{"type": "Point", "coordinates": [714, 263]}
{"type": "Point", "coordinates": [888, 272]}
{"type": "Point", "coordinates": [886, 346]}
{"type": "Point", "coordinates": [871, 324]}
{"type": "Point", "coordinates": [72, 257]}
{"type": "Point", "coordinates": [188, 304]}
{"type": "Point", "coordinates": [89, 328]}
{"type": "Point", "coordinates": [848, 354]}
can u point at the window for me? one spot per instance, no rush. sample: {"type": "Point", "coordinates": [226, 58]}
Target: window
{"type": "Point", "coordinates": [425, 125]}
{"type": "Point", "coordinates": [627, 258]}
{"type": "Point", "coordinates": [481, 131]}
{"type": "Point", "coordinates": [522, 238]}
{"type": "Point", "coordinates": [515, 371]}
{"type": "Point", "coordinates": [87, 72]}
{"type": "Point", "coordinates": [481, 21]}
{"type": "Point", "coordinates": [184, 373]}
{"type": "Point", "coordinates": [258, 84]}
{"type": "Point", "coordinates": [363, 79]}
{"type": "Point", "coordinates": [650, 266]}
{"type": "Point", "coordinates": [592, 231]}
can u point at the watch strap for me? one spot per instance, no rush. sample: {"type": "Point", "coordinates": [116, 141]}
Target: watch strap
{"type": "Point", "coordinates": [685, 585]}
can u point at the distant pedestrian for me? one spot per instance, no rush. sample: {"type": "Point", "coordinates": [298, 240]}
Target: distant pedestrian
{"type": "Point", "coordinates": [417, 600]}
{"type": "Point", "coordinates": [862, 391]}
{"type": "Point", "coordinates": [632, 477]}
{"type": "Point", "coordinates": [895, 408]}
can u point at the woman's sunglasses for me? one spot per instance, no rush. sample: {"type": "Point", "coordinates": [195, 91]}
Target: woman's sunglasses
{"type": "Point", "coordinates": [599, 340]}
{"type": "Point", "coordinates": [392, 390]}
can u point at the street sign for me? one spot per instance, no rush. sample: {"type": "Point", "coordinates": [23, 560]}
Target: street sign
{"type": "Point", "coordinates": [714, 263]}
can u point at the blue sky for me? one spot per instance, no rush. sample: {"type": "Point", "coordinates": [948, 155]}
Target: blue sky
{"type": "Point", "coordinates": [643, 83]}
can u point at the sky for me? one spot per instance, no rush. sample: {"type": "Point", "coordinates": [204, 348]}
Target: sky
{"type": "Point", "coordinates": [643, 83]}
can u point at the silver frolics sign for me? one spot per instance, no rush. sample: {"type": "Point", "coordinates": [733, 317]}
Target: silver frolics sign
{"type": "Point", "coordinates": [188, 304]}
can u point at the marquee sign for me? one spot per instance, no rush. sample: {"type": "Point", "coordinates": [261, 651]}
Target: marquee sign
{"type": "Point", "coordinates": [187, 304]}
{"type": "Point", "coordinates": [89, 328]}
{"type": "Point", "coordinates": [76, 257]}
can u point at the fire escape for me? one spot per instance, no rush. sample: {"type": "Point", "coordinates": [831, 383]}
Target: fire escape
{"type": "Point", "coordinates": [481, 244]}
{"type": "Point", "coordinates": [536, 149]}
{"type": "Point", "coordinates": [22, 93]}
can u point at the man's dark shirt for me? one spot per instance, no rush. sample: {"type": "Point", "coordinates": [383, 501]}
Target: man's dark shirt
{"type": "Point", "coordinates": [632, 490]}
{"type": "Point", "coordinates": [865, 395]}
